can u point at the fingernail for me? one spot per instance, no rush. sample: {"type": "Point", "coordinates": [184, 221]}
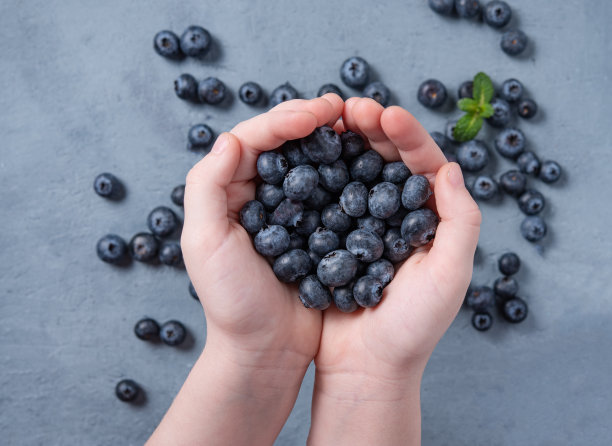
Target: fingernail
{"type": "Point", "coordinates": [455, 177]}
{"type": "Point", "coordinates": [221, 144]}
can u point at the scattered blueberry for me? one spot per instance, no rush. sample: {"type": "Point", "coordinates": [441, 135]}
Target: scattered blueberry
{"type": "Point", "coordinates": [330, 88]}
{"type": "Point", "coordinates": [170, 254]}
{"type": "Point", "coordinates": [334, 218]}
{"type": "Point", "coordinates": [309, 223]}
{"type": "Point", "coordinates": [186, 87]}
{"type": "Point", "coordinates": [292, 265]}
{"type": "Point", "coordinates": [467, 8]}
{"type": "Point", "coordinates": [143, 247]}
{"type": "Point", "coordinates": [368, 291]}
{"type": "Point", "coordinates": [367, 167]}
{"type": "Point", "coordinates": [111, 249]}
{"type": "Point", "coordinates": [292, 152]}
{"type": "Point", "coordinates": [444, 144]}
{"type": "Point", "coordinates": [384, 200]}
{"type": "Point", "coordinates": [354, 199]}
{"type": "Point", "coordinates": [272, 167]}
{"type": "Point", "coordinates": [352, 145]}
{"type": "Point", "coordinates": [509, 263]}
{"type": "Point", "coordinates": [449, 131]}
{"type": "Point", "coordinates": [323, 145]}
{"type": "Point", "coordinates": [193, 291]}
{"type": "Point", "coordinates": [497, 14]}
{"type": "Point", "coordinates": [337, 268]}
{"type": "Point", "coordinates": [397, 172]}
{"type": "Point", "coordinates": [373, 224]}
{"type": "Point", "coordinates": [550, 171]}
{"type": "Point", "coordinates": [287, 213]}
{"type": "Point", "coordinates": [300, 182]}
{"type": "Point", "coordinates": [252, 216]}
{"type": "Point", "coordinates": [211, 91]}
{"type": "Point", "coordinates": [473, 155]}
{"type": "Point", "coordinates": [200, 136]}
{"type": "Point", "coordinates": [432, 93]}
{"type": "Point", "coordinates": [343, 298]}
{"type": "Point", "coordinates": [510, 143]}
{"type": "Point", "coordinates": [108, 186]}
{"type": "Point", "coordinates": [513, 182]}
{"type": "Point", "coordinates": [484, 188]}
{"type": "Point", "coordinates": [482, 320]}
{"type": "Point", "coordinates": [250, 93]}
{"type": "Point", "coordinates": [366, 246]}
{"type": "Point", "coordinates": [480, 298]}
{"type": "Point", "coordinates": [172, 333]}
{"type": "Point", "coordinates": [334, 176]}
{"type": "Point", "coordinates": [127, 390]}
{"type": "Point", "coordinates": [272, 241]}
{"type": "Point", "coordinates": [383, 270]}
{"type": "Point", "coordinates": [444, 7]}
{"type": "Point", "coordinates": [531, 202]}
{"type": "Point", "coordinates": [323, 241]}
{"type": "Point", "coordinates": [195, 41]}
{"type": "Point", "coordinates": [528, 163]}
{"type": "Point", "coordinates": [512, 89]}
{"type": "Point", "coordinates": [466, 90]}
{"type": "Point", "coordinates": [416, 192]}
{"type": "Point", "coordinates": [146, 329]}
{"type": "Point", "coordinates": [283, 93]}
{"type": "Point", "coordinates": [419, 227]}
{"type": "Point", "coordinates": [354, 72]}
{"type": "Point", "coordinates": [501, 113]}
{"type": "Point", "coordinates": [162, 221]}
{"type": "Point", "coordinates": [527, 108]}
{"type": "Point", "coordinates": [506, 287]}
{"type": "Point", "coordinates": [396, 248]}
{"type": "Point", "coordinates": [379, 92]}
{"type": "Point", "coordinates": [314, 294]}
{"type": "Point", "coordinates": [167, 44]}
{"type": "Point", "coordinates": [515, 310]}
{"type": "Point", "coordinates": [513, 42]}
{"type": "Point", "coordinates": [533, 228]}
{"type": "Point", "coordinates": [178, 195]}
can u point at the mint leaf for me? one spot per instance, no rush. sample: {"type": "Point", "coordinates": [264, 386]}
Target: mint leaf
{"type": "Point", "coordinates": [468, 105]}
{"type": "Point", "coordinates": [467, 127]}
{"type": "Point", "coordinates": [487, 111]}
{"type": "Point", "coordinates": [483, 90]}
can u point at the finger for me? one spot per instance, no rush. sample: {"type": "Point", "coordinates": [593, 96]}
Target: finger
{"type": "Point", "coordinates": [367, 113]}
{"type": "Point", "coordinates": [417, 149]}
{"type": "Point", "coordinates": [339, 127]}
{"type": "Point", "coordinates": [348, 116]}
{"type": "Point", "coordinates": [326, 108]}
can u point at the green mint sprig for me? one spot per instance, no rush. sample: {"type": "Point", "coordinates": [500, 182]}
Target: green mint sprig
{"type": "Point", "coordinates": [476, 109]}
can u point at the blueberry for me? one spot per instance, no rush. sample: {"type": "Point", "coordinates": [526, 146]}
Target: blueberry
{"type": "Point", "coordinates": [334, 176]}
{"type": "Point", "coordinates": [272, 167]}
{"type": "Point", "coordinates": [528, 163]}
{"type": "Point", "coordinates": [384, 200]}
{"type": "Point", "coordinates": [550, 171]}
{"type": "Point", "coordinates": [441, 141]}
{"type": "Point", "coordinates": [501, 113]}
{"type": "Point", "coordinates": [319, 198]}
{"type": "Point", "coordinates": [354, 72]}
{"type": "Point", "coordinates": [252, 216]}
{"type": "Point", "coordinates": [395, 221]}
{"type": "Point", "coordinates": [527, 108]}
{"type": "Point", "coordinates": [283, 93]}
{"type": "Point", "coordinates": [449, 131]}
{"type": "Point", "coordinates": [383, 270]}
{"type": "Point", "coordinates": [170, 254]}
{"type": "Point", "coordinates": [143, 247]}
{"type": "Point", "coordinates": [296, 241]}
{"type": "Point", "coordinates": [419, 227]}
{"type": "Point", "coordinates": [195, 41]}
{"type": "Point", "coordinates": [193, 292]}
{"type": "Point", "coordinates": [172, 333]}
{"type": "Point", "coordinates": [368, 291]}
{"type": "Point", "coordinates": [108, 185]}
{"type": "Point", "coordinates": [323, 241]}
{"type": "Point", "coordinates": [162, 221]}
{"type": "Point", "coordinates": [167, 44]}
{"type": "Point", "coordinates": [416, 192]}
{"type": "Point", "coordinates": [373, 224]}
{"type": "Point", "coordinates": [431, 93]}
{"type": "Point", "coordinates": [480, 298]}
{"type": "Point", "coordinates": [506, 287]}
{"type": "Point", "coordinates": [484, 188]}
{"type": "Point", "coordinates": [269, 196]}
{"type": "Point", "coordinates": [272, 241]}
{"type": "Point", "coordinates": [396, 172]}
{"type": "Point", "coordinates": [509, 263]}
{"type": "Point", "coordinates": [323, 145]}
{"type": "Point", "coordinates": [444, 7]}
{"type": "Point", "coordinates": [178, 195]}
{"type": "Point", "coordinates": [334, 218]}
{"type": "Point", "coordinates": [292, 152]}
{"type": "Point", "coordinates": [533, 228]}
{"type": "Point", "coordinates": [146, 329]}
{"type": "Point", "coordinates": [512, 89]}
{"type": "Point", "coordinates": [379, 92]}
{"type": "Point", "coordinates": [127, 390]}
{"type": "Point", "coordinates": [343, 298]}
{"type": "Point", "coordinates": [515, 310]}
{"type": "Point", "coordinates": [211, 91]}
{"type": "Point", "coordinates": [510, 143]}
{"type": "Point", "coordinates": [330, 88]}
{"type": "Point", "coordinates": [473, 155]}
{"type": "Point", "coordinates": [367, 167]}
{"type": "Point", "coordinates": [513, 42]}
{"type": "Point", "coordinates": [186, 87]}
{"type": "Point", "coordinates": [497, 14]}
{"type": "Point", "coordinates": [292, 265]}
{"type": "Point", "coordinates": [337, 268]}
{"type": "Point", "coordinates": [482, 320]}
{"type": "Point", "coordinates": [111, 249]}
{"type": "Point", "coordinates": [287, 213]}
{"type": "Point", "coordinates": [250, 93]}
{"type": "Point", "coordinates": [513, 182]}
{"type": "Point", "coordinates": [531, 202]}
{"type": "Point", "coordinates": [467, 8]}
{"type": "Point", "coordinates": [314, 260]}
{"type": "Point", "coordinates": [396, 248]}
{"type": "Point", "coordinates": [309, 223]}
{"type": "Point", "coordinates": [466, 90]}
{"type": "Point", "coordinates": [365, 245]}
{"type": "Point", "coordinates": [200, 136]}
{"type": "Point", "coordinates": [314, 294]}
{"type": "Point", "coordinates": [352, 145]}
{"type": "Point", "coordinates": [354, 199]}
{"type": "Point", "coordinates": [300, 182]}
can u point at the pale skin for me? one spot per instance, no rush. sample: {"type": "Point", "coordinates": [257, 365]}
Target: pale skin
{"type": "Point", "coordinates": [260, 339]}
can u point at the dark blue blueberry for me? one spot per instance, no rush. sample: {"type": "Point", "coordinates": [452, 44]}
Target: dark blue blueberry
{"type": "Point", "coordinates": [368, 291]}
{"type": "Point", "coordinates": [250, 93]}
{"type": "Point", "coordinates": [162, 221]}
{"type": "Point", "coordinates": [509, 263]}
{"type": "Point", "coordinates": [466, 90]}
{"type": "Point", "coordinates": [531, 202]}
{"type": "Point", "coordinates": [533, 228]}
{"type": "Point", "coordinates": [383, 270]}
{"type": "Point", "coordinates": [178, 195]}
{"type": "Point", "coordinates": [195, 41]}
{"type": "Point", "coordinates": [373, 224]}
{"type": "Point", "coordinates": [272, 241]}
{"type": "Point", "coordinates": [334, 218]}
{"type": "Point", "coordinates": [527, 108]}
{"type": "Point", "coordinates": [337, 268]}
{"type": "Point", "coordinates": [528, 163]}
{"type": "Point", "coordinates": [269, 195]}
{"type": "Point", "coordinates": [379, 92]}
{"type": "Point", "coordinates": [445, 145]}
{"type": "Point", "coordinates": [170, 254]}
{"type": "Point", "coordinates": [314, 294]}
{"type": "Point", "coordinates": [343, 298]}
{"type": "Point", "coordinates": [515, 310]}
{"type": "Point", "coordinates": [287, 213]}
{"type": "Point", "coordinates": [354, 199]}
{"type": "Point", "coordinates": [512, 89]}
{"type": "Point", "coordinates": [146, 329]}
{"type": "Point", "coordinates": [108, 185]}
{"type": "Point", "coordinates": [482, 320]}
{"type": "Point", "coordinates": [309, 223]}
{"type": "Point", "coordinates": [319, 198]}
{"type": "Point", "coordinates": [473, 155]}
{"type": "Point", "coordinates": [323, 241]}
{"type": "Point", "coordinates": [252, 216]}
{"type": "Point", "coordinates": [484, 188]}
{"type": "Point", "coordinates": [366, 246]}
{"type": "Point", "coordinates": [480, 298]}
{"type": "Point", "coordinates": [506, 287]}
{"type": "Point", "coordinates": [293, 153]}
{"type": "Point", "coordinates": [419, 227]}
{"type": "Point", "coordinates": [186, 87]}
{"type": "Point", "coordinates": [314, 259]}
{"type": "Point", "coordinates": [334, 176]}
{"type": "Point", "coordinates": [416, 192]}
{"type": "Point", "coordinates": [396, 248]}
{"type": "Point", "coordinates": [272, 167]}
{"type": "Point", "coordinates": [432, 93]}
{"type": "Point", "coordinates": [513, 182]}
{"type": "Point", "coordinates": [449, 131]}
{"type": "Point", "coordinates": [396, 172]}
{"type": "Point", "coordinates": [354, 72]}
{"type": "Point", "coordinates": [323, 145]}
{"type": "Point", "coordinates": [296, 241]}
{"type": "Point", "coordinates": [352, 145]}
{"type": "Point", "coordinates": [211, 90]}
{"type": "Point", "coordinates": [283, 93]}
{"type": "Point", "coordinates": [501, 113]}
{"type": "Point", "coordinates": [193, 292]}
{"type": "Point", "coordinates": [550, 171]}
{"type": "Point", "coordinates": [172, 333]}
{"type": "Point", "coordinates": [200, 136]}
{"type": "Point", "coordinates": [330, 88]}
{"type": "Point", "coordinates": [513, 42]}
{"type": "Point", "coordinates": [127, 390]}
{"type": "Point", "coordinates": [292, 265]}
{"type": "Point", "coordinates": [510, 143]}
{"type": "Point", "coordinates": [467, 8]}
{"type": "Point", "coordinates": [143, 247]}
{"type": "Point", "coordinates": [444, 7]}
{"type": "Point", "coordinates": [384, 200]}
{"type": "Point", "coordinates": [111, 249]}
{"type": "Point", "coordinates": [497, 14]}
{"type": "Point", "coordinates": [367, 167]}
{"type": "Point", "coordinates": [395, 221]}
{"type": "Point", "coordinates": [300, 182]}
{"type": "Point", "coordinates": [167, 44]}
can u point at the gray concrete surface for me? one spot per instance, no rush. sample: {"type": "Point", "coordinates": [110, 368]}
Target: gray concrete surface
{"type": "Point", "coordinates": [83, 92]}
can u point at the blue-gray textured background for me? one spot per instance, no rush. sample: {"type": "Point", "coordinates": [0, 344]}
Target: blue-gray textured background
{"type": "Point", "coordinates": [83, 92]}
